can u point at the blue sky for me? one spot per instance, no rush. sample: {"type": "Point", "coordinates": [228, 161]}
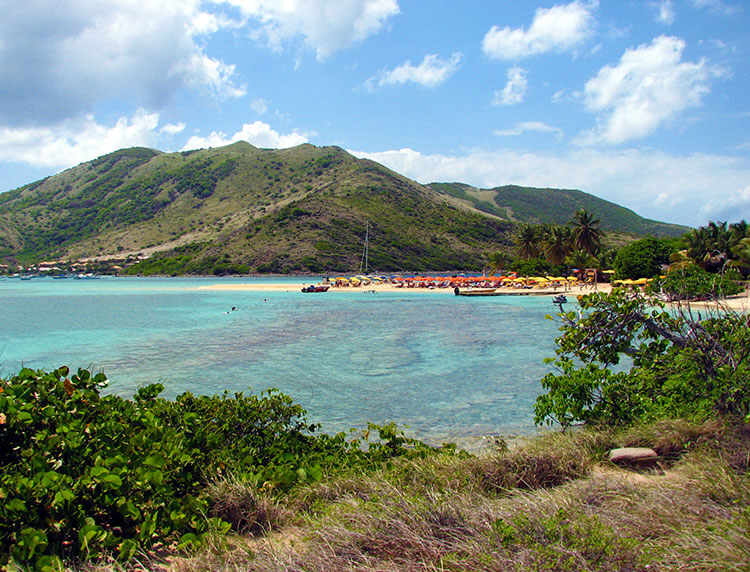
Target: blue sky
{"type": "Point", "coordinates": [641, 102]}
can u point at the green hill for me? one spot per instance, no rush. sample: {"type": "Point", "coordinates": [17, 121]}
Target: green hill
{"type": "Point", "coordinates": [305, 209]}
{"type": "Point", "coordinates": [554, 206]}
{"type": "Point", "coordinates": [239, 208]}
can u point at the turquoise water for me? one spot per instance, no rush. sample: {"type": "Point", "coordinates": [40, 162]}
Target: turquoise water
{"type": "Point", "coordinates": [447, 367]}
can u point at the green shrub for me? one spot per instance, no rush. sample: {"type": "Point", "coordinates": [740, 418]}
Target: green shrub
{"type": "Point", "coordinates": [642, 258]}
{"type": "Point", "coordinates": [82, 475]}
{"type": "Point", "coordinates": [683, 365]}
{"type": "Point", "coordinates": [695, 283]}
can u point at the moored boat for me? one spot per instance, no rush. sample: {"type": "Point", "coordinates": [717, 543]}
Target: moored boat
{"type": "Point", "coordinates": [316, 288]}
{"type": "Point", "coordinates": [477, 292]}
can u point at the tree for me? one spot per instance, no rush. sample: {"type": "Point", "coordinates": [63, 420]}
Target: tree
{"type": "Point", "coordinates": [697, 244]}
{"type": "Point", "coordinates": [642, 258]}
{"type": "Point", "coordinates": [556, 244]}
{"type": "Point", "coordinates": [716, 244]}
{"type": "Point", "coordinates": [691, 282]}
{"type": "Point", "coordinates": [527, 241]}
{"type": "Point", "coordinates": [587, 235]}
{"type": "Point", "coordinates": [740, 230]}
{"type": "Point", "coordinates": [497, 261]}
{"type": "Point", "coordinates": [581, 260]}
{"type": "Point", "coordinates": [682, 365]}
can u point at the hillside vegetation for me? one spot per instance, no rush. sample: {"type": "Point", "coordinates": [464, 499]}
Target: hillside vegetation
{"type": "Point", "coordinates": [554, 206]}
{"type": "Point", "coordinates": [239, 209]}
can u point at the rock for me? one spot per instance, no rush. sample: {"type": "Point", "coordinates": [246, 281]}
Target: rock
{"type": "Point", "coordinates": [634, 456]}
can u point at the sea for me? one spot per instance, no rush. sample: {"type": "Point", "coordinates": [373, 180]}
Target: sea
{"type": "Point", "coordinates": [444, 368]}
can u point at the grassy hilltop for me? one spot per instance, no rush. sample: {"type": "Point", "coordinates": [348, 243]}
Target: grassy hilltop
{"type": "Point", "coordinates": [554, 206]}
{"type": "Point", "coordinates": [243, 209]}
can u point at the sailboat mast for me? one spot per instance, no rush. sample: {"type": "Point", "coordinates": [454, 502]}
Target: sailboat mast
{"type": "Point", "coordinates": [366, 251]}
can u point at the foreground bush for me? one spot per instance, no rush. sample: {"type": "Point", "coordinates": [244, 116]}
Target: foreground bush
{"type": "Point", "coordinates": [83, 474]}
{"type": "Point", "coordinates": [694, 283]}
{"type": "Point", "coordinates": [684, 364]}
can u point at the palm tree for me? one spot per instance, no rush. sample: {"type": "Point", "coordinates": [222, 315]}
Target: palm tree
{"type": "Point", "coordinates": [581, 260]}
{"type": "Point", "coordinates": [587, 235]}
{"type": "Point", "coordinates": [527, 241]}
{"type": "Point", "coordinates": [743, 250]}
{"type": "Point", "coordinates": [556, 244]}
{"type": "Point", "coordinates": [721, 239]}
{"type": "Point", "coordinates": [740, 229]}
{"type": "Point", "coordinates": [496, 261]}
{"type": "Point", "coordinates": [606, 258]}
{"type": "Point", "coordinates": [698, 244]}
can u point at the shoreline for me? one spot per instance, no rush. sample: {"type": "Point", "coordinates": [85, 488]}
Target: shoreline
{"type": "Point", "coordinates": [739, 303]}
{"type": "Point", "coordinates": [575, 290]}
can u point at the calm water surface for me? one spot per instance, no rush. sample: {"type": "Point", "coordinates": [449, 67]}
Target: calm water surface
{"type": "Point", "coordinates": [448, 367]}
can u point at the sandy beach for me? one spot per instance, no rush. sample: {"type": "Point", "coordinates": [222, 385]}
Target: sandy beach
{"type": "Point", "coordinates": [739, 303]}
{"type": "Point", "coordinates": [574, 290]}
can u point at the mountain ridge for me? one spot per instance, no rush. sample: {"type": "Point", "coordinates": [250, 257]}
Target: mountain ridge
{"type": "Point", "coordinates": [304, 208]}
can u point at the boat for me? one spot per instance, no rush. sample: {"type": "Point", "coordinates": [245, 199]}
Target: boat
{"type": "Point", "coordinates": [316, 288]}
{"type": "Point", "coordinates": [477, 292]}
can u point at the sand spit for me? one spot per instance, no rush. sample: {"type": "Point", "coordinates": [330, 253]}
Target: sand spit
{"type": "Point", "coordinates": [739, 303]}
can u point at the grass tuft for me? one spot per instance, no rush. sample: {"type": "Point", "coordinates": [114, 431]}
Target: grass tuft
{"type": "Point", "coordinates": [243, 507]}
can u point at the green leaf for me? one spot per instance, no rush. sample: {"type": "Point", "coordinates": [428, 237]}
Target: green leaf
{"type": "Point", "coordinates": [189, 540]}
{"type": "Point", "coordinates": [112, 480]}
{"type": "Point", "coordinates": [155, 477]}
{"type": "Point", "coordinates": [127, 549]}
{"type": "Point", "coordinates": [155, 461]}
{"type": "Point", "coordinates": [49, 563]}
{"type": "Point", "coordinates": [15, 505]}
{"type": "Point", "coordinates": [31, 541]}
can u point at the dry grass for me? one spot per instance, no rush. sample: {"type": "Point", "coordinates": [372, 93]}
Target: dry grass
{"type": "Point", "coordinates": [245, 508]}
{"type": "Point", "coordinates": [551, 505]}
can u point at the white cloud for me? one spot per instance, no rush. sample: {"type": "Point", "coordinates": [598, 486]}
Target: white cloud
{"type": "Point", "coordinates": [259, 106]}
{"type": "Point", "coordinates": [557, 29]}
{"type": "Point", "coordinates": [717, 6]}
{"type": "Point", "coordinates": [326, 25]}
{"type": "Point", "coordinates": [62, 57]}
{"type": "Point", "coordinates": [173, 129]}
{"type": "Point", "coordinates": [76, 141]}
{"type": "Point", "coordinates": [526, 126]}
{"type": "Point", "coordinates": [657, 185]}
{"type": "Point", "coordinates": [648, 87]}
{"type": "Point", "coordinates": [665, 13]}
{"type": "Point", "coordinates": [515, 90]}
{"type": "Point", "coordinates": [734, 207]}
{"type": "Point", "coordinates": [201, 70]}
{"type": "Point", "coordinates": [258, 134]}
{"type": "Point", "coordinates": [432, 72]}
